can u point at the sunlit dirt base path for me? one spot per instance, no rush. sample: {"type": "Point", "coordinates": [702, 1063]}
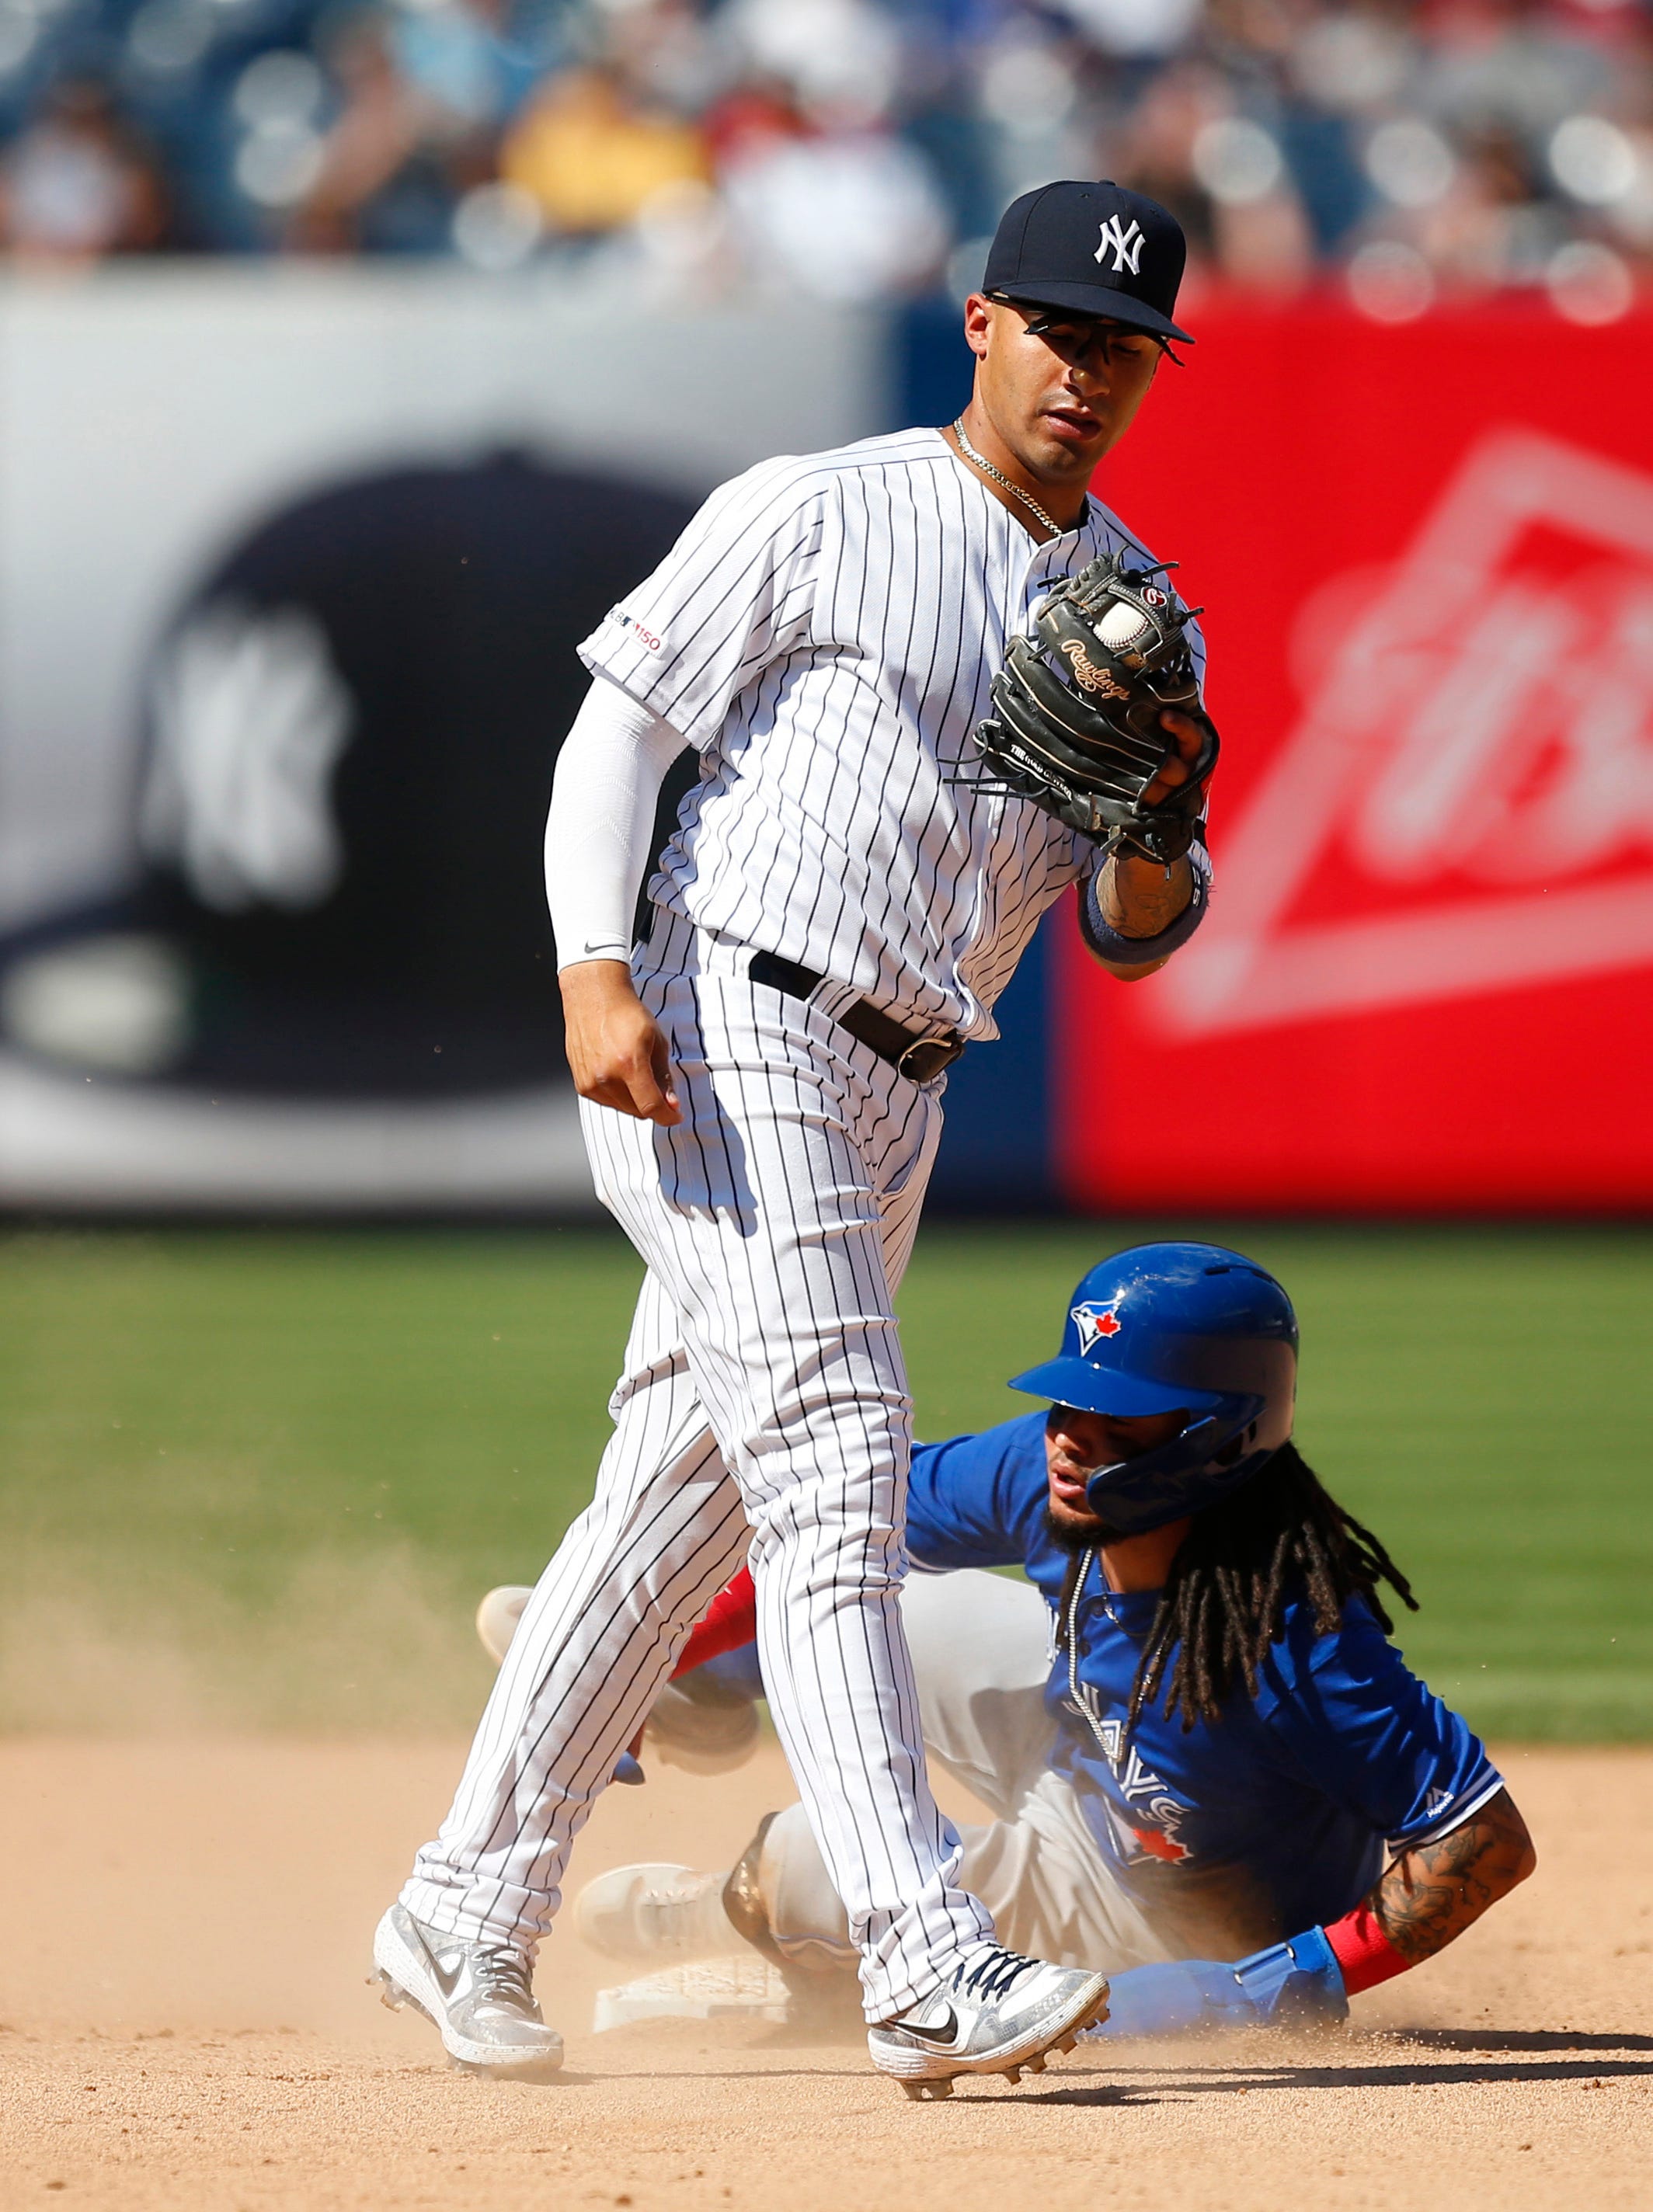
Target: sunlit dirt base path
{"type": "Point", "coordinates": [186, 2025]}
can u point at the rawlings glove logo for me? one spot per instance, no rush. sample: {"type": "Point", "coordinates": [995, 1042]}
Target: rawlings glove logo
{"type": "Point", "coordinates": [1088, 675]}
{"type": "Point", "coordinates": [1086, 741]}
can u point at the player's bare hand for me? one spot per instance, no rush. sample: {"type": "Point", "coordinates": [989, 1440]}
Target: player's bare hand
{"type": "Point", "coordinates": [1188, 737]}
{"type": "Point", "coordinates": [615, 1050]}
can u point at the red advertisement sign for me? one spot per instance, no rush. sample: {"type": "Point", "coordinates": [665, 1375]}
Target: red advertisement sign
{"type": "Point", "coordinates": [1426, 981]}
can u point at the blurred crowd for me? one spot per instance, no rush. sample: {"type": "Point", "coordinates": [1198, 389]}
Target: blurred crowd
{"type": "Point", "coordinates": [846, 149]}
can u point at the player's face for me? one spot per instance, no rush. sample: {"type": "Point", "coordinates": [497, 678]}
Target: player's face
{"type": "Point", "coordinates": [1077, 1443]}
{"type": "Point", "coordinates": [1060, 390]}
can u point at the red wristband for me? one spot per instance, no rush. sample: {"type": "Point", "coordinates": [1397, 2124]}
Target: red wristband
{"type": "Point", "coordinates": [1363, 1952]}
{"type": "Point", "coordinates": [729, 1621]}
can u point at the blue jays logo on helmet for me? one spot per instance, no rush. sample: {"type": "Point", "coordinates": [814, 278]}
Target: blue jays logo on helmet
{"type": "Point", "coordinates": [1094, 1319]}
{"type": "Point", "coordinates": [1167, 1328]}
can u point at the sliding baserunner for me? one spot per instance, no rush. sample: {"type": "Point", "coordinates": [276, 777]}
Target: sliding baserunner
{"type": "Point", "coordinates": [1214, 1778]}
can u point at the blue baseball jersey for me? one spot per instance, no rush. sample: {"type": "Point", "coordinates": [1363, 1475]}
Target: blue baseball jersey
{"type": "Point", "coordinates": [1280, 1817]}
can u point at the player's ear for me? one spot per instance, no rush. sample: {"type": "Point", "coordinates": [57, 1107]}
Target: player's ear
{"type": "Point", "coordinates": [978, 314]}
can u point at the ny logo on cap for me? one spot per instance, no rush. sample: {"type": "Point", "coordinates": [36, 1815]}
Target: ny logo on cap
{"type": "Point", "coordinates": [1126, 246]}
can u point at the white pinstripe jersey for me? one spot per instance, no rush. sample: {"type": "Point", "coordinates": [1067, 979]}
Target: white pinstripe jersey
{"type": "Point", "coordinates": [825, 632]}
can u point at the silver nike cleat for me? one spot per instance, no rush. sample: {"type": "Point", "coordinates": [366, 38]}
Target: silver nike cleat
{"type": "Point", "coordinates": [478, 1996]}
{"type": "Point", "coordinates": [998, 2012]}
{"type": "Point", "coordinates": [661, 1914]}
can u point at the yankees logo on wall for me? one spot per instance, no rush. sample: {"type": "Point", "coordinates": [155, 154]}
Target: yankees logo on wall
{"type": "Point", "coordinates": [378, 674]}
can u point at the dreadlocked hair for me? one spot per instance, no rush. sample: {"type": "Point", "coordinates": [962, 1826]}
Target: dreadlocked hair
{"type": "Point", "coordinates": [1279, 1536]}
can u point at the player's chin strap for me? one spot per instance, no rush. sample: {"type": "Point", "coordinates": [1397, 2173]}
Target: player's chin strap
{"type": "Point", "coordinates": [1205, 1462]}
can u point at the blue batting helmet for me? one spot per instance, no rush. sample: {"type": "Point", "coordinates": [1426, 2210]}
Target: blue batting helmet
{"type": "Point", "coordinates": [1165, 1329]}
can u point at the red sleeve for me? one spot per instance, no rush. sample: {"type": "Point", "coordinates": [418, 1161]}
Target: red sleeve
{"type": "Point", "coordinates": [1364, 1953]}
{"type": "Point", "coordinates": [729, 1621]}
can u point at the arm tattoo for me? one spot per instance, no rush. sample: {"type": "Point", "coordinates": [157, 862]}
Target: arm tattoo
{"type": "Point", "coordinates": [1430, 1895]}
{"type": "Point", "coordinates": [1139, 898]}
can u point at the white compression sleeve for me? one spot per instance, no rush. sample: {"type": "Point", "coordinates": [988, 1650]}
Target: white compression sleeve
{"type": "Point", "coordinates": [607, 784]}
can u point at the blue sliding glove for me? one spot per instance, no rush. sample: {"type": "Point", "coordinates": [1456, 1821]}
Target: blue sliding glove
{"type": "Point", "coordinates": [1292, 1984]}
{"type": "Point", "coordinates": [1296, 1983]}
{"type": "Point", "coordinates": [1176, 1999]}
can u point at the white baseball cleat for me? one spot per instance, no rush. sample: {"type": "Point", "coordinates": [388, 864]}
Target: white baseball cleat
{"type": "Point", "coordinates": [998, 2012]}
{"type": "Point", "coordinates": [663, 1915]}
{"type": "Point", "coordinates": [478, 1996]}
{"type": "Point", "coordinates": [499, 1615]}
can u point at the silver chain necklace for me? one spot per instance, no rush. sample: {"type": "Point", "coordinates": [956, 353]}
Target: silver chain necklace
{"type": "Point", "coordinates": [1071, 1626]}
{"type": "Point", "coordinates": [999, 477]}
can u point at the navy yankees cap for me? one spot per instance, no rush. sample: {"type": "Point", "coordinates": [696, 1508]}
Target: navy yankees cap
{"type": "Point", "coordinates": [1096, 249]}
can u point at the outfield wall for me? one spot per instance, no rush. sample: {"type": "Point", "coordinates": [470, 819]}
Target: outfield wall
{"type": "Point", "coordinates": [293, 563]}
{"type": "Point", "coordinates": [1427, 980]}
{"type": "Point", "coordinates": [274, 744]}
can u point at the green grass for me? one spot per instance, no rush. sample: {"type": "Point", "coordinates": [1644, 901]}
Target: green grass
{"type": "Point", "coordinates": [261, 1477]}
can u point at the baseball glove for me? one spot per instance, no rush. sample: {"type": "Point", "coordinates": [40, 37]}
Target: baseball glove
{"type": "Point", "coordinates": [1075, 726]}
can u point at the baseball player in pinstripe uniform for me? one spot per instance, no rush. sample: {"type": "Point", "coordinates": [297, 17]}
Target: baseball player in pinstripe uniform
{"type": "Point", "coordinates": [848, 892]}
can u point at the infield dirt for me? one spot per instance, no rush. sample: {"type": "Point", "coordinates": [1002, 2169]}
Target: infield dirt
{"type": "Point", "coordinates": [187, 2027]}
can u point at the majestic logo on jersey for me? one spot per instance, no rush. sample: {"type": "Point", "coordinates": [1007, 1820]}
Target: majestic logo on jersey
{"type": "Point", "coordinates": [1093, 1321]}
{"type": "Point", "coordinates": [1474, 756]}
{"type": "Point", "coordinates": [1125, 246]}
{"type": "Point", "coordinates": [1089, 676]}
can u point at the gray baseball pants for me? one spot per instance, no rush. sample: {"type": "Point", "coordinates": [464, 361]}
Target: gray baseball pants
{"type": "Point", "coordinates": [981, 1650]}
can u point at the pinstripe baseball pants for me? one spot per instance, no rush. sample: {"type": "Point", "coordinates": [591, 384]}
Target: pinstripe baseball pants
{"type": "Point", "coordinates": [763, 1405]}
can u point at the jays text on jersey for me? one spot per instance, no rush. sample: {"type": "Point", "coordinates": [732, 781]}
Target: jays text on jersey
{"type": "Point", "coordinates": [825, 633]}
{"type": "Point", "coordinates": [1281, 1817]}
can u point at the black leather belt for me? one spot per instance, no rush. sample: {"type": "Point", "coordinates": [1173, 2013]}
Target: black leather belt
{"type": "Point", "coordinates": [919, 1059]}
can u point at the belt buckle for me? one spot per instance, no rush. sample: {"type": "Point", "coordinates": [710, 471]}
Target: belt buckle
{"type": "Point", "coordinates": [950, 1049]}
